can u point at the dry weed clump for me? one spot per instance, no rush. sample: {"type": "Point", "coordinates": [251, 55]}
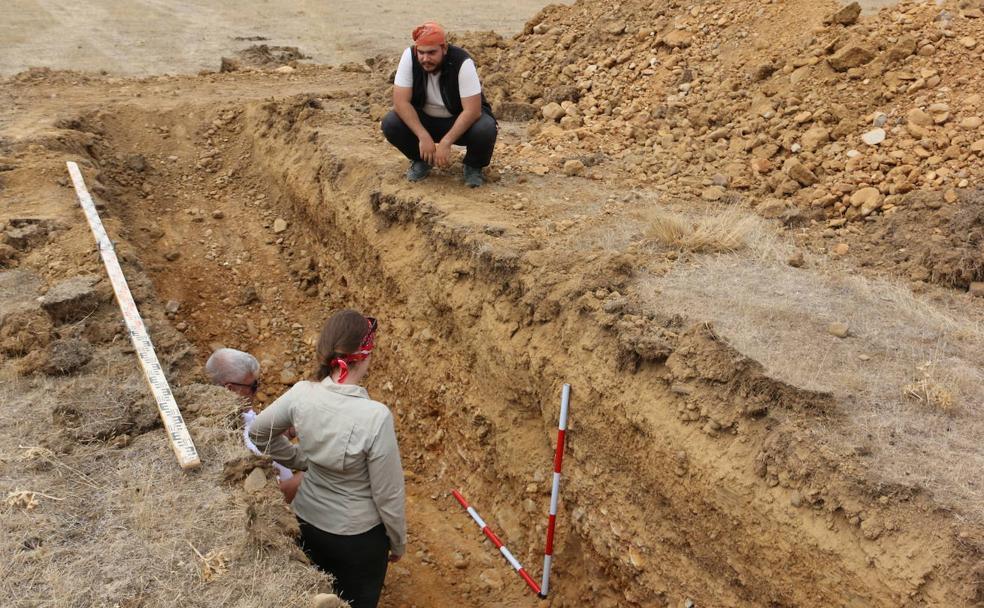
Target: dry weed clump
{"type": "Point", "coordinates": [726, 231]}
{"type": "Point", "coordinates": [929, 390]}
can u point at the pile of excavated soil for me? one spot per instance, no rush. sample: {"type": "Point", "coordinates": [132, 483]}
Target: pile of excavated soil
{"type": "Point", "coordinates": [806, 111]}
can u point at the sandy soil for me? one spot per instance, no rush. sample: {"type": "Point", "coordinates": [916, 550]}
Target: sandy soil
{"type": "Point", "coordinates": [154, 37]}
{"type": "Point", "coordinates": [726, 447]}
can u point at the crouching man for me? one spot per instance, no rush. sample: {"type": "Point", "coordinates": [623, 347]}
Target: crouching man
{"type": "Point", "coordinates": [437, 102]}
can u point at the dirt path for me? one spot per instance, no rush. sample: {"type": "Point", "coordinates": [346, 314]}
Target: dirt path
{"type": "Point", "coordinates": [154, 37]}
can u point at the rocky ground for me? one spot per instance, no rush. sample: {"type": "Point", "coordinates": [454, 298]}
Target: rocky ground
{"type": "Point", "coordinates": [776, 383]}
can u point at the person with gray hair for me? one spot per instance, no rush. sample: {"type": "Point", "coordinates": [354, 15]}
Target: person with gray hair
{"type": "Point", "coordinates": [239, 372]}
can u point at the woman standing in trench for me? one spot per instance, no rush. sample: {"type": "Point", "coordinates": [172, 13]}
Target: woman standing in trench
{"type": "Point", "coordinates": [350, 504]}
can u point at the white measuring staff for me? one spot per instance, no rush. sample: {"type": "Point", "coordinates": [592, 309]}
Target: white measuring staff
{"type": "Point", "coordinates": [177, 432]}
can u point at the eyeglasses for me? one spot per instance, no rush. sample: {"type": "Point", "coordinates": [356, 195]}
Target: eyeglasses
{"type": "Point", "coordinates": [255, 386]}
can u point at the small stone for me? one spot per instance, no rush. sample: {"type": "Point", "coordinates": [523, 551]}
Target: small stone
{"type": "Point", "coordinates": [950, 196]}
{"type": "Point", "coordinates": [971, 122]}
{"type": "Point", "coordinates": [678, 39]}
{"type": "Point", "coordinates": [713, 193]}
{"type": "Point", "coordinates": [851, 55]}
{"type": "Point", "coordinates": [968, 42]}
{"type": "Point", "coordinates": [800, 173]}
{"type": "Point", "coordinates": [840, 249]}
{"type": "Point", "coordinates": [279, 225]}
{"type": "Point", "coordinates": [761, 165]}
{"type": "Point", "coordinates": [327, 600]}
{"type": "Point", "coordinates": [867, 199]}
{"type": "Point", "coordinates": [553, 111]}
{"type": "Point", "coordinates": [872, 528]}
{"type": "Point", "coordinates": [285, 69]}
{"type": "Point", "coordinates": [136, 162]}
{"type": "Point", "coordinates": [838, 329]}
{"type": "Point", "coordinates": [846, 16]}
{"type": "Point", "coordinates": [218, 214]}
{"type": "Point", "coordinates": [814, 138]}
{"type": "Point", "coordinates": [573, 167]}
{"type": "Point", "coordinates": [172, 307]}
{"type": "Point", "coordinates": [171, 256]}
{"type": "Point", "coordinates": [255, 481]}
{"type": "Point", "coordinates": [796, 260]}
{"type": "Point", "coordinates": [919, 117]}
{"type": "Point", "coordinates": [977, 289]}
{"type": "Point", "coordinates": [491, 579]}
{"type": "Point", "coordinates": [874, 137]}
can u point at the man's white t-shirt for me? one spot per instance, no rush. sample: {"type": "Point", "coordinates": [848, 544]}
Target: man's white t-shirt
{"type": "Point", "coordinates": [468, 84]}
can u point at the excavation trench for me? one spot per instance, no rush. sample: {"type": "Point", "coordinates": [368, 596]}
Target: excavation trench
{"type": "Point", "coordinates": [689, 470]}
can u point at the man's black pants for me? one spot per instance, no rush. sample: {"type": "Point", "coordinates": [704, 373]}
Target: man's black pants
{"type": "Point", "coordinates": [357, 562]}
{"type": "Point", "coordinates": [479, 139]}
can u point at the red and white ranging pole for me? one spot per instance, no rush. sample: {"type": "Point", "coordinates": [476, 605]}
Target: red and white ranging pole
{"type": "Point", "coordinates": [495, 541]}
{"type": "Point", "coordinates": [565, 401]}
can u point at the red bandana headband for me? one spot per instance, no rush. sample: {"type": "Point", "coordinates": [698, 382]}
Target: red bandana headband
{"type": "Point", "coordinates": [365, 349]}
{"type": "Point", "coordinates": [429, 34]}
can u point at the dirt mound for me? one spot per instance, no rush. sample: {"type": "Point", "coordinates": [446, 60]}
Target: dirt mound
{"type": "Point", "coordinates": [262, 56]}
{"type": "Point", "coordinates": [838, 114]}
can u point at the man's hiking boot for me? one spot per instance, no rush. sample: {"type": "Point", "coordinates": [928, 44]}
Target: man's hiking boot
{"type": "Point", "coordinates": [418, 170]}
{"type": "Point", "coordinates": [473, 177]}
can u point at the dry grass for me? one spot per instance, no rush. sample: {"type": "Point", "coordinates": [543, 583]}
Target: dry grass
{"type": "Point", "coordinates": [911, 368]}
{"type": "Point", "coordinates": [727, 231]}
{"type": "Point", "coordinates": [707, 229]}
{"type": "Point", "coordinates": [91, 525]}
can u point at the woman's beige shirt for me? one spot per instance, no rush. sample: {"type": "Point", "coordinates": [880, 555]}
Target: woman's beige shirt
{"type": "Point", "coordinates": [353, 478]}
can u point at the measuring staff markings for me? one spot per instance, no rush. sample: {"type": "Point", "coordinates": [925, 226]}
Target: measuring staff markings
{"type": "Point", "coordinates": [174, 424]}
{"type": "Point", "coordinates": [542, 589]}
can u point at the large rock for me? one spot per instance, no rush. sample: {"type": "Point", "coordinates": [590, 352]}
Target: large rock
{"type": "Point", "coordinates": [553, 111]}
{"type": "Point", "coordinates": [851, 55]}
{"type": "Point", "coordinates": [72, 300]}
{"type": "Point", "coordinates": [867, 200]}
{"type": "Point", "coordinates": [814, 138]}
{"type": "Point", "coordinates": [847, 15]}
{"type": "Point", "coordinates": [905, 47]}
{"type": "Point", "coordinates": [678, 39]}
{"type": "Point", "coordinates": [26, 234]}
{"type": "Point", "coordinates": [795, 169]}
{"type": "Point", "coordinates": [67, 356]}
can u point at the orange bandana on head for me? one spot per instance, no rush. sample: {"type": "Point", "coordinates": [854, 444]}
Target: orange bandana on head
{"type": "Point", "coordinates": [429, 34]}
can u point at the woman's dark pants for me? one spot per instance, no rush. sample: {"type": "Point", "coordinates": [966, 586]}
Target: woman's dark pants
{"type": "Point", "coordinates": [357, 562]}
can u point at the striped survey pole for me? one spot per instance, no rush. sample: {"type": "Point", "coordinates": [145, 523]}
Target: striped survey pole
{"type": "Point", "coordinates": [565, 400]}
{"type": "Point", "coordinates": [495, 541]}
